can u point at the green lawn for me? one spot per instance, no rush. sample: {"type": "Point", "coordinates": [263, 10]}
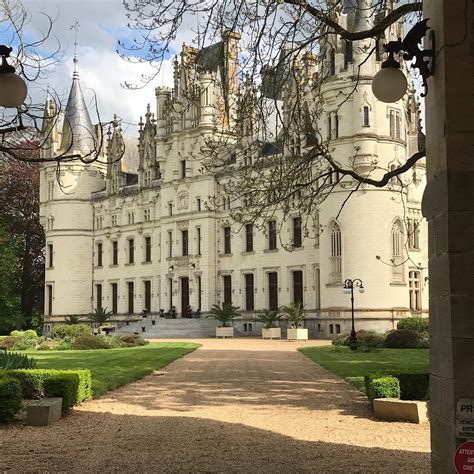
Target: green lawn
{"type": "Point", "coordinates": [112, 368]}
{"type": "Point", "coordinates": [352, 366]}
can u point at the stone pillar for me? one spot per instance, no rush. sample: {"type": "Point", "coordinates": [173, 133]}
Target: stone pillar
{"type": "Point", "coordinates": [448, 204]}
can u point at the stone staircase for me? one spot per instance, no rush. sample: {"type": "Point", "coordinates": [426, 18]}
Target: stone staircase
{"type": "Point", "coordinates": [171, 328]}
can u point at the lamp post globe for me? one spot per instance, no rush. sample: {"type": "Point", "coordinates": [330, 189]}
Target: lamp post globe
{"type": "Point", "coordinates": [389, 84]}
{"type": "Point", "coordinates": [13, 90]}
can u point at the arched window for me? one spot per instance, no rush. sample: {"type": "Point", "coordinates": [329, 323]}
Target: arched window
{"type": "Point", "coordinates": [335, 263]}
{"type": "Point", "coordinates": [397, 252]}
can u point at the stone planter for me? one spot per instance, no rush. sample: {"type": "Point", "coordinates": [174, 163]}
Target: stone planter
{"type": "Point", "coordinates": [299, 334]}
{"type": "Point", "coordinates": [393, 409]}
{"type": "Point", "coordinates": [43, 412]}
{"type": "Point", "coordinates": [225, 332]}
{"type": "Point", "coordinates": [271, 333]}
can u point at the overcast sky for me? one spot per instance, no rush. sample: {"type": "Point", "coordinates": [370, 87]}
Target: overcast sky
{"type": "Point", "coordinates": [102, 24]}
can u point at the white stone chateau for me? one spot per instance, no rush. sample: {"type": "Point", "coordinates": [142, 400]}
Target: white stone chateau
{"type": "Point", "coordinates": [135, 232]}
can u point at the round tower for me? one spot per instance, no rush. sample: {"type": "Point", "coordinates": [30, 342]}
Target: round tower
{"type": "Point", "coordinates": [68, 214]}
{"type": "Point", "coordinates": [365, 233]}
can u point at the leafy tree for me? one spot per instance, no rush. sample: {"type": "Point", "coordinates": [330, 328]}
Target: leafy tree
{"type": "Point", "coordinates": [225, 313]}
{"type": "Point", "coordinates": [19, 215]}
{"type": "Point", "coordinates": [9, 294]}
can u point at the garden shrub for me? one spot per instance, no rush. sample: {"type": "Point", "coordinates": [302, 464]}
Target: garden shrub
{"type": "Point", "coordinates": [424, 342]}
{"type": "Point", "coordinates": [70, 331]}
{"type": "Point", "coordinates": [415, 324]}
{"type": "Point", "coordinates": [63, 344]}
{"type": "Point", "coordinates": [10, 360]}
{"type": "Point", "coordinates": [133, 340]}
{"type": "Point", "coordinates": [16, 333]}
{"type": "Point", "coordinates": [88, 341]}
{"type": "Point", "coordinates": [7, 343]}
{"type": "Point", "coordinates": [367, 341]}
{"type": "Point", "coordinates": [381, 386]}
{"type": "Point", "coordinates": [25, 342]}
{"type": "Point", "coordinates": [31, 332]}
{"type": "Point", "coordinates": [63, 385]}
{"type": "Point", "coordinates": [47, 346]}
{"type": "Point", "coordinates": [32, 381]}
{"type": "Point", "coordinates": [10, 397]}
{"type": "Point", "coordinates": [403, 339]}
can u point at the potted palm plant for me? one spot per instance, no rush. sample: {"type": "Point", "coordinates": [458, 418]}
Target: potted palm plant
{"type": "Point", "coordinates": [224, 314]}
{"type": "Point", "coordinates": [295, 315]}
{"type": "Point", "coordinates": [100, 316]}
{"type": "Point", "coordinates": [270, 318]}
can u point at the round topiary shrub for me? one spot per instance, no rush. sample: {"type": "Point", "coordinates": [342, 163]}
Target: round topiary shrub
{"type": "Point", "coordinates": [31, 332]}
{"type": "Point", "coordinates": [403, 339]}
{"type": "Point", "coordinates": [16, 333]}
{"type": "Point", "coordinates": [88, 341]}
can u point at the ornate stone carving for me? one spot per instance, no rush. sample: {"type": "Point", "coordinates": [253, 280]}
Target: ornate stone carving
{"type": "Point", "coordinates": [183, 200]}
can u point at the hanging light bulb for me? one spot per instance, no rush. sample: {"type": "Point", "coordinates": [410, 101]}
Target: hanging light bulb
{"type": "Point", "coordinates": [13, 88]}
{"type": "Point", "coordinates": [389, 84]}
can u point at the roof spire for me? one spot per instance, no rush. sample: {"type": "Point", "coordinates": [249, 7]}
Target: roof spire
{"type": "Point", "coordinates": [75, 27]}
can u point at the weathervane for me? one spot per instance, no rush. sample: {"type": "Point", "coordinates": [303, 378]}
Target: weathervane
{"type": "Point", "coordinates": [75, 27]}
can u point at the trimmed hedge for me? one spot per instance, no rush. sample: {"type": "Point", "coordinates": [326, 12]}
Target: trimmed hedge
{"type": "Point", "coordinates": [385, 386]}
{"type": "Point", "coordinates": [32, 381]}
{"type": "Point", "coordinates": [65, 385]}
{"type": "Point", "coordinates": [414, 386]}
{"type": "Point", "coordinates": [411, 386]}
{"type": "Point", "coordinates": [10, 397]}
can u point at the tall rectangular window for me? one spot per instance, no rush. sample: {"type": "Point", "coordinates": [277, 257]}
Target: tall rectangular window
{"type": "Point", "coordinates": [170, 208]}
{"type": "Point", "coordinates": [273, 290]}
{"type": "Point", "coordinates": [415, 290]}
{"type": "Point", "coordinates": [227, 280]}
{"type": "Point", "coordinates": [297, 286]}
{"type": "Point", "coordinates": [131, 251]}
{"type": "Point", "coordinates": [114, 297]}
{"type": "Point", "coordinates": [147, 290]}
{"type": "Point", "coordinates": [114, 252]}
{"type": "Point", "coordinates": [185, 243]}
{"type": "Point", "coordinates": [366, 121]}
{"type": "Point", "coordinates": [183, 168]}
{"type": "Point", "coordinates": [170, 289]}
{"type": "Point", "coordinates": [130, 296]}
{"type": "Point", "coordinates": [147, 248]}
{"type": "Point", "coordinates": [170, 244]}
{"type": "Point", "coordinates": [50, 255]}
{"type": "Point", "coordinates": [348, 53]}
{"type": "Point", "coordinates": [249, 237]}
{"type": "Point", "coordinates": [227, 243]}
{"type": "Point", "coordinates": [272, 235]}
{"type": "Point", "coordinates": [98, 293]}
{"type": "Point", "coordinates": [198, 204]}
{"type": "Point", "coordinates": [249, 292]}
{"type": "Point", "coordinates": [99, 254]}
{"type": "Point", "coordinates": [49, 289]}
{"type": "Point", "coordinates": [199, 292]}
{"type": "Point", "coordinates": [297, 232]}
{"type": "Point", "coordinates": [332, 62]}
{"type": "Point", "coordinates": [198, 238]}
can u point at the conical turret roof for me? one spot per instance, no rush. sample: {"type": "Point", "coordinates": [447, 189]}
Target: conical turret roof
{"type": "Point", "coordinates": [78, 132]}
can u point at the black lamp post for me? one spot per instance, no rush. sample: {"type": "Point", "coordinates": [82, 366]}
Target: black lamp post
{"type": "Point", "coordinates": [348, 288]}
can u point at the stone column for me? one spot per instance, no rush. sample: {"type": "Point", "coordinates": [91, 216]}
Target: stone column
{"type": "Point", "coordinates": [448, 204]}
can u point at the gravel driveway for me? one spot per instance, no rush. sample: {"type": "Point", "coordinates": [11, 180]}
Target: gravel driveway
{"type": "Point", "coordinates": [241, 405]}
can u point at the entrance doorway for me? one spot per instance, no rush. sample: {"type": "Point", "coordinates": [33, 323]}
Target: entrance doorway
{"type": "Point", "coordinates": [185, 297]}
